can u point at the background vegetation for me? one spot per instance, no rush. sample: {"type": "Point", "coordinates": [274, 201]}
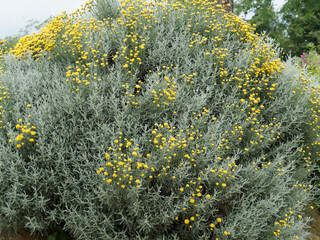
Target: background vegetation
{"type": "Point", "coordinates": [294, 26]}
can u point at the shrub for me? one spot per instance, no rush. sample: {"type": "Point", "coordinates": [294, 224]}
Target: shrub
{"type": "Point", "coordinates": [166, 120]}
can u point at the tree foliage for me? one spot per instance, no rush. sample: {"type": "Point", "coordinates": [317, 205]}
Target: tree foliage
{"type": "Point", "coordinates": [302, 21]}
{"type": "Point", "coordinates": [295, 25]}
{"type": "Point", "coordinates": [265, 17]}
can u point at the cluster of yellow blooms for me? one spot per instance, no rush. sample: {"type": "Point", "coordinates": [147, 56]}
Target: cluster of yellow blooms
{"type": "Point", "coordinates": [127, 166]}
{"type": "Point", "coordinates": [76, 35]}
{"type": "Point", "coordinates": [124, 168]}
{"type": "Point", "coordinates": [165, 95]}
{"type": "Point", "coordinates": [27, 134]}
{"type": "Point", "coordinates": [81, 39]}
{"type": "Point", "coordinates": [38, 43]}
{"type": "Point", "coordinates": [290, 219]}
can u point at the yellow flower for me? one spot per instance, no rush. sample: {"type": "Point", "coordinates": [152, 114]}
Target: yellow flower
{"type": "Point", "coordinates": [19, 137]}
{"type": "Point", "coordinates": [219, 220]}
{"type": "Point", "coordinates": [186, 221]}
{"type": "Point", "coordinates": [212, 225]}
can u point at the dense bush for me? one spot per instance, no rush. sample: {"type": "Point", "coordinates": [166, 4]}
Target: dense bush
{"type": "Point", "coordinates": [166, 120]}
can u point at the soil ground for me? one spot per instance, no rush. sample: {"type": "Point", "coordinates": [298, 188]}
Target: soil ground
{"type": "Point", "coordinates": [314, 226]}
{"type": "Point", "coordinates": [25, 235]}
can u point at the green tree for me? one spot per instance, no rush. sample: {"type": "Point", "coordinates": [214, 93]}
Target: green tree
{"type": "Point", "coordinates": [264, 16]}
{"type": "Point", "coordinates": [301, 19]}
{"type": "Point", "coordinates": [295, 26]}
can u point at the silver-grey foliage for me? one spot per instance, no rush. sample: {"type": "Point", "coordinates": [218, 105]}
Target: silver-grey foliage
{"type": "Point", "coordinates": [56, 181]}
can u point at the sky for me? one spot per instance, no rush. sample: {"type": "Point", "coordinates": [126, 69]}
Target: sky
{"type": "Point", "coordinates": [14, 14]}
{"type": "Point", "coordinates": [278, 4]}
